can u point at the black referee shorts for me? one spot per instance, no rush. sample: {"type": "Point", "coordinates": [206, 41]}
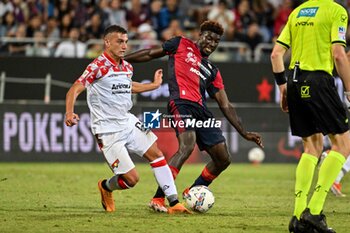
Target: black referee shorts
{"type": "Point", "coordinates": [314, 105]}
{"type": "Point", "coordinates": [183, 110]}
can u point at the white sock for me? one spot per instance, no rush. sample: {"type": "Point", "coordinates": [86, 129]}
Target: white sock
{"type": "Point", "coordinates": [116, 182]}
{"type": "Point", "coordinates": [164, 178]}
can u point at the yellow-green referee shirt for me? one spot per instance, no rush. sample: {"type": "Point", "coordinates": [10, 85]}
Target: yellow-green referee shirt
{"type": "Point", "coordinates": [311, 30]}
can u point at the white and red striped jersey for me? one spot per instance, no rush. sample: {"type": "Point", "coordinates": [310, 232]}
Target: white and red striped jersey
{"type": "Point", "coordinates": [108, 88]}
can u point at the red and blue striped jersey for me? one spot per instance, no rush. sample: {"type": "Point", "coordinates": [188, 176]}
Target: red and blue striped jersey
{"type": "Point", "coordinates": [190, 74]}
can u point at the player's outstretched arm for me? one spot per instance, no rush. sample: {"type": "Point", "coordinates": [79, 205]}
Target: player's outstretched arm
{"type": "Point", "coordinates": [143, 87]}
{"type": "Point", "coordinates": [230, 113]}
{"type": "Point", "coordinates": [145, 55]}
{"type": "Point", "coordinates": [71, 96]}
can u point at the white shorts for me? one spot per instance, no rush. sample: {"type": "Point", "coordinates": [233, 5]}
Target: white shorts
{"type": "Point", "coordinates": [117, 146]}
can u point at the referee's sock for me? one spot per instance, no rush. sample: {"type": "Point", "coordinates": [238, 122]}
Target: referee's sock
{"type": "Point", "coordinates": [303, 180]}
{"type": "Point", "coordinates": [329, 170]}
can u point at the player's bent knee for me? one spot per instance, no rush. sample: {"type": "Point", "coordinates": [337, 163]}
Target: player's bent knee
{"type": "Point", "coordinates": [224, 164]}
{"type": "Point", "coordinates": [186, 150]}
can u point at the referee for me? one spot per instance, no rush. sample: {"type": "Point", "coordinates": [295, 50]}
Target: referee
{"type": "Point", "coordinates": [315, 32]}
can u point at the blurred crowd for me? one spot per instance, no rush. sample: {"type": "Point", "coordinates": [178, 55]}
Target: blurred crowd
{"type": "Point", "coordinates": [80, 21]}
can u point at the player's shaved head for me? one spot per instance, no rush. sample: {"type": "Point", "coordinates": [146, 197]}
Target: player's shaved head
{"type": "Point", "coordinates": [212, 26]}
{"type": "Point", "coordinates": [114, 28]}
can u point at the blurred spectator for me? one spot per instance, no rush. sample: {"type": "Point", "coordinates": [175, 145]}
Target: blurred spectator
{"type": "Point", "coordinates": [8, 25]}
{"type": "Point", "coordinates": [117, 14]}
{"type": "Point", "coordinates": [196, 10]}
{"type": "Point", "coordinates": [18, 11]}
{"type": "Point", "coordinates": [94, 30]}
{"type": "Point", "coordinates": [174, 29]}
{"type": "Point", "coordinates": [169, 12]}
{"type": "Point", "coordinates": [39, 48]}
{"type": "Point", "coordinates": [276, 3]}
{"type": "Point", "coordinates": [103, 10]}
{"type": "Point", "coordinates": [65, 25]}
{"type": "Point", "coordinates": [63, 8]}
{"type": "Point", "coordinates": [136, 16]}
{"type": "Point", "coordinates": [19, 48]}
{"type": "Point", "coordinates": [46, 8]}
{"type": "Point", "coordinates": [35, 24]}
{"type": "Point", "coordinates": [5, 6]}
{"type": "Point", "coordinates": [282, 16]}
{"type": "Point", "coordinates": [71, 48]}
{"type": "Point", "coordinates": [252, 37]}
{"type": "Point", "coordinates": [52, 30]}
{"type": "Point", "coordinates": [80, 11]}
{"type": "Point", "coordinates": [222, 14]}
{"type": "Point", "coordinates": [264, 12]}
{"type": "Point", "coordinates": [155, 7]}
{"type": "Point", "coordinates": [147, 35]}
{"type": "Point", "coordinates": [244, 16]}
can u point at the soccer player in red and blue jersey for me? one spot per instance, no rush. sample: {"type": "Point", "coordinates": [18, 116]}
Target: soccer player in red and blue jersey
{"type": "Point", "coordinates": [190, 75]}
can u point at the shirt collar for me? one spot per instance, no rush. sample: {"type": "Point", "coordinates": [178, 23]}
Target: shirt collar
{"type": "Point", "coordinates": [111, 60]}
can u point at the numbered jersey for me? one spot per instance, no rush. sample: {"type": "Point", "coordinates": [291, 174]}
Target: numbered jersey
{"type": "Point", "coordinates": [108, 93]}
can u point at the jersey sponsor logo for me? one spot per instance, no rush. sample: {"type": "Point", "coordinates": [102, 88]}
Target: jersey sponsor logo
{"type": "Point", "coordinates": [197, 72]}
{"type": "Point", "coordinates": [191, 58]}
{"type": "Point", "coordinates": [343, 18]}
{"type": "Point", "coordinates": [305, 23]}
{"type": "Point", "coordinates": [307, 12]}
{"type": "Point", "coordinates": [342, 33]}
{"type": "Point", "coordinates": [121, 88]}
{"type": "Point", "coordinates": [305, 92]}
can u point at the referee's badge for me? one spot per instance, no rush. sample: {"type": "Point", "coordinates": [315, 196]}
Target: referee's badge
{"type": "Point", "coordinates": [305, 92]}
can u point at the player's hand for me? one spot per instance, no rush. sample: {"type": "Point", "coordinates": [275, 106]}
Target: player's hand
{"type": "Point", "coordinates": [283, 98]}
{"type": "Point", "coordinates": [158, 77]}
{"type": "Point", "coordinates": [71, 119]}
{"type": "Point", "coordinates": [254, 137]}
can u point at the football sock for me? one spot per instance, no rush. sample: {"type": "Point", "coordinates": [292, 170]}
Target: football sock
{"type": "Point", "coordinates": [116, 183]}
{"type": "Point", "coordinates": [345, 169]}
{"type": "Point", "coordinates": [204, 179]}
{"type": "Point", "coordinates": [329, 170]}
{"type": "Point", "coordinates": [303, 180]}
{"type": "Point", "coordinates": [164, 178]}
{"type": "Point", "coordinates": [159, 192]}
{"type": "Point", "coordinates": [173, 203]}
{"type": "Point", "coordinates": [104, 186]}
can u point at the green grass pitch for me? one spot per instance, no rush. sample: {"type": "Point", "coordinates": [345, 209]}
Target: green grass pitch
{"type": "Point", "coordinates": [63, 197]}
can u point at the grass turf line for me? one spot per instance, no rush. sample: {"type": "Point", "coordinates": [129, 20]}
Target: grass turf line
{"type": "Point", "coordinates": [63, 197]}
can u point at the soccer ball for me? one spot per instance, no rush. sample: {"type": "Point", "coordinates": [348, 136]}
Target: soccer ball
{"type": "Point", "coordinates": [256, 155]}
{"type": "Point", "coordinates": [200, 198]}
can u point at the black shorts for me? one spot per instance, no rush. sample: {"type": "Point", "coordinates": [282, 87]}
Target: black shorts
{"type": "Point", "coordinates": [183, 110]}
{"type": "Point", "coordinates": [314, 105]}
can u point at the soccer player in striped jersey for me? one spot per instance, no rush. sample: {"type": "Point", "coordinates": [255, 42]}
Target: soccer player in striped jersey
{"type": "Point", "coordinates": [190, 75]}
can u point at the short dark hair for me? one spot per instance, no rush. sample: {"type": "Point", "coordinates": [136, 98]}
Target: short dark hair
{"type": "Point", "coordinates": [114, 28]}
{"type": "Point", "coordinates": [212, 26]}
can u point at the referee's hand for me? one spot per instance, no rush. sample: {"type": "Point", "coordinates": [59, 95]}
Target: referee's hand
{"type": "Point", "coordinates": [347, 102]}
